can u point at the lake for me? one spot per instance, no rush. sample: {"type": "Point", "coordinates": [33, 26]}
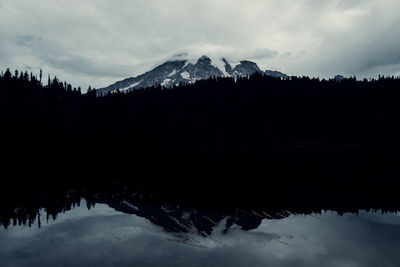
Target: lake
{"type": "Point", "coordinates": [144, 236]}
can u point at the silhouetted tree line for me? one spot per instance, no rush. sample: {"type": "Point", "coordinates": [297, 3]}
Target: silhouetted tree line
{"type": "Point", "coordinates": [32, 113]}
{"type": "Point", "coordinates": [31, 206]}
{"type": "Point", "coordinates": [251, 112]}
{"type": "Point", "coordinates": [255, 139]}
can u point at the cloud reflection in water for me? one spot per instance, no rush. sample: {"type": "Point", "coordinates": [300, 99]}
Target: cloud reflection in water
{"type": "Point", "coordinates": [104, 237]}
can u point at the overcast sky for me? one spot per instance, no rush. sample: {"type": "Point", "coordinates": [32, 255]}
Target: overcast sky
{"type": "Point", "coordinates": [98, 42]}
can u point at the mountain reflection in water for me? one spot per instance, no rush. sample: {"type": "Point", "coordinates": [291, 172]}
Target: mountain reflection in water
{"type": "Point", "coordinates": [103, 236]}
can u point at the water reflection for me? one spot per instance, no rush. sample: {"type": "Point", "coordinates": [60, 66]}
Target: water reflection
{"type": "Point", "coordinates": [103, 236]}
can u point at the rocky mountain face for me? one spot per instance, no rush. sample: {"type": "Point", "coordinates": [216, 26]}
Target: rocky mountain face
{"type": "Point", "coordinates": [176, 219]}
{"type": "Point", "coordinates": [175, 72]}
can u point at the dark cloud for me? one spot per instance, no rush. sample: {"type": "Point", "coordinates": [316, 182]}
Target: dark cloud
{"type": "Point", "coordinates": [263, 54]}
{"type": "Point", "coordinates": [87, 66]}
{"type": "Point", "coordinates": [346, 4]}
{"type": "Point", "coordinates": [27, 40]}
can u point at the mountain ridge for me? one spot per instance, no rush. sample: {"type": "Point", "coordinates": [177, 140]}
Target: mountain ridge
{"type": "Point", "coordinates": [177, 71]}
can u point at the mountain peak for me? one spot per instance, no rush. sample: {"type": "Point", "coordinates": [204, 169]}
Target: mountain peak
{"type": "Point", "coordinates": [204, 58]}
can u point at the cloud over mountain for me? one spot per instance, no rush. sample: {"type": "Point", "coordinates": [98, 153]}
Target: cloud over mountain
{"type": "Point", "coordinates": [100, 42]}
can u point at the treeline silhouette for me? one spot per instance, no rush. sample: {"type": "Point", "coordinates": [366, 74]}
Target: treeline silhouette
{"type": "Point", "coordinates": [256, 141]}
{"type": "Point", "coordinates": [39, 206]}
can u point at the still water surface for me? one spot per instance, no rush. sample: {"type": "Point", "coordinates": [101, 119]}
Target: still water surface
{"type": "Point", "coordinates": [103, 236]}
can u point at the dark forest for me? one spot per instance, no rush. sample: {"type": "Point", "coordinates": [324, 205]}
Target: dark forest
{"type": "Point", "coordinates": [296, 143]}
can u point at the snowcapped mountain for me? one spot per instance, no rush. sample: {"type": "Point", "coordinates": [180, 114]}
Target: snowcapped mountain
{"type": "Point", "coordinates": [202, 223]}
{"type": "Point", "coordinates": [175, 72]}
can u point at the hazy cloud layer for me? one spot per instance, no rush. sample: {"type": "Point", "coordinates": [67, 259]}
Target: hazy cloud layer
{"type": "Point", "coordinates": [98, 42]}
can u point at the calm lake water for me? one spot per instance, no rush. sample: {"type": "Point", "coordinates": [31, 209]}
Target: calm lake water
{"type": "Point", "coordinates": [103, 236]}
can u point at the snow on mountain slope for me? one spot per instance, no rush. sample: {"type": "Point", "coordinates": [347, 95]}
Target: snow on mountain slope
{"type": "Point", "coordinates": [184, 71]}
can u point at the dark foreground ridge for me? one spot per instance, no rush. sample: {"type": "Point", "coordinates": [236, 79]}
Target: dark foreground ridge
{"type": "Point", "coordinates": [258, 142]}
